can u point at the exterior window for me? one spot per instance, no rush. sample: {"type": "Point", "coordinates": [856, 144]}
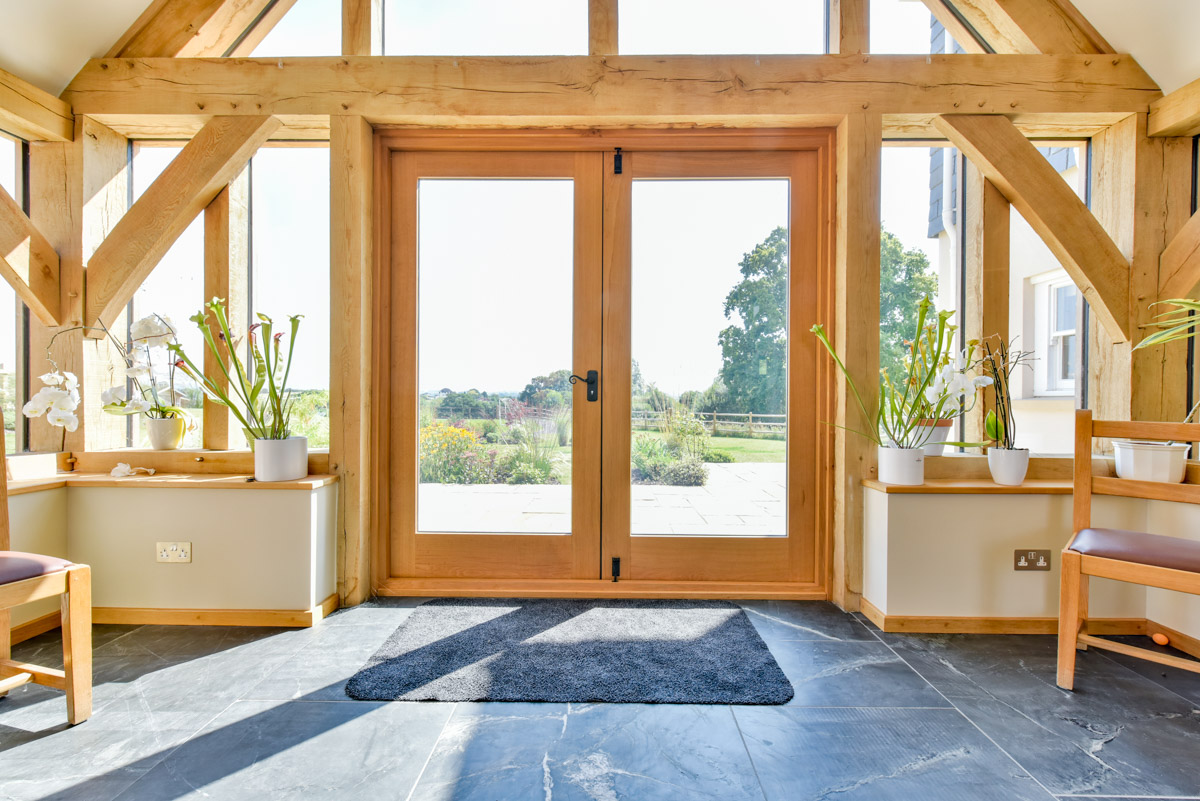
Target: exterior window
{"type": "Point", "coordinates": [309, 28]}
{"type": "Point", "coordinates": [1060, 372]}
{"type": "Point", "coordinates": [661, 27]}
{"type": "Point", "coordinates": [485, 28]}
{"type": "Point", "coordinates": [11, 309]}
{"type": "Point", "coordinates": [1055, 343]}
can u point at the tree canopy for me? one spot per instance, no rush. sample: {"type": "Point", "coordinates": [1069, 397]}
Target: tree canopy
{"type": "Point", "coordinates": [904, 279]}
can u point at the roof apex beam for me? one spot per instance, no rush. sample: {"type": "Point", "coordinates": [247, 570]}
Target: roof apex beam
{"type": "Point", "coordinates": [1030, 26]}
{"type": "Point", "coordinates": [192, 28]}
{"type": "Point", "coordinates": [33, 114]}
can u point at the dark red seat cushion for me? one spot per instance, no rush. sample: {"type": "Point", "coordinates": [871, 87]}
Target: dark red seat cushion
{"type": "Point", "coordinates": [1139, 547]}
{"type": "Point", "coordinates": [18, 566]}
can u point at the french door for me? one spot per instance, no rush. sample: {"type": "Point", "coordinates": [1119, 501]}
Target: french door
{"type": "Point", "coordinates": [599, 378]}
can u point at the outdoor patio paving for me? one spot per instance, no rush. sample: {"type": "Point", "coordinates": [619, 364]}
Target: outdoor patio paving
{"type": "Point", "coordinates": [739, 500]}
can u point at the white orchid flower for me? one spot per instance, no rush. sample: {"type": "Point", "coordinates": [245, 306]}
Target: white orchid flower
{"type": "Point", "coordinates": [155, 331]}
{"type": "Point", "coordinates": [69, 402]}
{"type": "Point", "coordinates": [121, 470]}
{"type": "Point", "coordinates": [51, 379]}
{"type": "Point", "coordinates": [117, 394]}
{"type": "Point", "coordinates": [34, 409]}
{"type": "Point", "coordinates": [138, 405]}
{"type": "Point", "coordinates": [138, 371]}
{"type": "Point", "coordinates": [981, 381]}
{"type": "Point", "coordinates": [62, 419]}
{"type": "Point", "coordinates": [70, 381]}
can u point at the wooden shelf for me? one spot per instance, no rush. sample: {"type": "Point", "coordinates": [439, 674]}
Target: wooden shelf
{"type": "Point", "coordinates": [972, 486]}
{"type": "Point", "coordinates": [167, 481]}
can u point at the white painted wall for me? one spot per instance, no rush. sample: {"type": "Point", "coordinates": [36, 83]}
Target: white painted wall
{"type": "Point", "coordinates": [38, 524]}
{"type": "Point", "coordinates": [951, 556]}
{"type": "Point", "coordinates": [251, 549]}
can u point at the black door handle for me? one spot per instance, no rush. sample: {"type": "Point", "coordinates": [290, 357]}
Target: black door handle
{"type": "Point", "coordinates": [593, 384]}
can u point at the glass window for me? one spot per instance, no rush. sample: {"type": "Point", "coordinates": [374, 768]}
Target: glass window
{"type": "Point", "coordinates": [919, 242]}
{"type": "Point", "coordinates": [309, 28]}
{"type": "Point", "coordinates": [10, 307]}
{"type": "Point", "coordinates": [485, 27]}
{"type": "Point", "coordinates": [289, 210]}
{"type": "Point", "coordinates": [1044, 307]}
{"type": "Point", "coordinates": [906, 26]}
{"type": "Point", "coordinates": [174, 291]}
{"type": "Point", "coordinates": [714, 26]}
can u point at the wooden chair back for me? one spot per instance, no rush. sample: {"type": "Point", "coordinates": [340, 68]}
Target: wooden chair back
{"type": "Point", "coordinates": [1087, 484]}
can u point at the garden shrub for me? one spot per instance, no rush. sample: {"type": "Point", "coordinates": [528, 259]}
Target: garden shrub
{"type": "Point", "coordinates": [718, 457]}
{"type": "Point", "coordinates": [649, 456]}
{"type": "Point", "coordinates": [443, 452]}
{"type": "Point", "coordinates": [685, 473]}
{"type": "Point", "coordinates": [526, 473]}
{"type": "Point", "coordinates": [685, 434]}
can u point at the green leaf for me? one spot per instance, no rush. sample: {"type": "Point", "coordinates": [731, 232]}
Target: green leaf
{"type": "Point", "coordinates": [993, 427]}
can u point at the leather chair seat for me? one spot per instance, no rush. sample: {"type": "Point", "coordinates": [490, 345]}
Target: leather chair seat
{"type": "Point", "coordinates": [18, 566]}
{"type": "Point", "coordinates": [1137, 546]}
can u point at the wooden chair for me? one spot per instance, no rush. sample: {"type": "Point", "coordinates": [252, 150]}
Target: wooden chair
{"type": "Point", "coordinates": [26, 577]}
{"type": "Point", "coordinates": [1152, 560]}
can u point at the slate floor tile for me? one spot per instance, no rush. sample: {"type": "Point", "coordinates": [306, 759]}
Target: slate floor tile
{"type": "Point", "coordinates": [589, 751]}
{"type": "Point", "coordinates": [284, 751]}
{"type": "Point", "coordinates": [802, 620]}
{"type": "Point", "coordinates": [879, 755]}
{"type": "Point", "coordinates": [1117, 734]}
{"type": "Point", "coordinates": [826, 673]}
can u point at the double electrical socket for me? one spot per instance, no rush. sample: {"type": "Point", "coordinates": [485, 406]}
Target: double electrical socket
{"type": "Point", "coordinates": [173, 551]}
{"type": "Point", "coordinates": [1031, 560]}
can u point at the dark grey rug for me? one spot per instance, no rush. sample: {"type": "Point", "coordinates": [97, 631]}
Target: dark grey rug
{"type": "Point", "coordinates": [620, 651]}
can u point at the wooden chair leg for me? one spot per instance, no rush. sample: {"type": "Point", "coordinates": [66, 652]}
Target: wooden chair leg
{"type": "Point", "coordinates": [1084, 583]}
{"type": "Point", "coordinates": [1068, 618]}
{"type": "Point", "coordinates": [5, 638]}
{"type": "Point", "coordinates": [77, 643]}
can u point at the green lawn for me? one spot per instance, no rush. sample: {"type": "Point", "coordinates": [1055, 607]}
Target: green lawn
{"type": "Point", "coordinates": [741, 448]}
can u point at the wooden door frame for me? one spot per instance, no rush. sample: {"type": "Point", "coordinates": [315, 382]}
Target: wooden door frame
{"type": "Point", "coordinates": [814, 587]}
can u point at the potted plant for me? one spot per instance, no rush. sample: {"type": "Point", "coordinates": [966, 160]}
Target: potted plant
{"type": "Point", "coordinates": [1160, 461]}
{"type": "Point", "coordinates": [152, 396]}
{"type": "Point", "coordinates": [1007, 463]}
{"type": "Point", "coordinates": [143, 393]}
{"type": "Point", "coordinates": [254, 389]}
{"type": "Point", "coordinates": [933, 385]}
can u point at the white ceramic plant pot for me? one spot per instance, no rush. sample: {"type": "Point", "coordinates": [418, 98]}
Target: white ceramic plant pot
{"type": "Point", "coordinates": [1151, 461]}
{"type": "Point", "coordinates": [1008, 465]}
{"type": "Point", "coordinates": [935, 445]}
{"type": "Point", "coordinates": [902, 466]}
{"type": "Point", "coordinates": [280, 459]}
{"type": "Point", "coordinates": [166, 433]}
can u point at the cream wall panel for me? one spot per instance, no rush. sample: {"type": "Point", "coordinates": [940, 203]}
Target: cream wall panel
{"type": "Point", "coordinates": [951, 555]}
{"type": "Point", "coordinates": [250, 549]}
{"type": "Point", "coordinates": [38, 522]}
{"type": "Point", "coordinates": [1175, 610]}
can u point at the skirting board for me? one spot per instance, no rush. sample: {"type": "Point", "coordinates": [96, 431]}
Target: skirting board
{"type": "Point", "coordinates": [917, 624]}
{"type": "Point", "coordinates": [39, 625]}
{"type": "Point", "coordinates": [590, 588]}
{"type": "Point", "coordinates": [215, 617]}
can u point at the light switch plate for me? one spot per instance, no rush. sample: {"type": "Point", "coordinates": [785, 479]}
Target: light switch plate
{"type": "Point", "coordinates": [1031, 560]}
{"type": "Point", "coordinates": [173, 551]}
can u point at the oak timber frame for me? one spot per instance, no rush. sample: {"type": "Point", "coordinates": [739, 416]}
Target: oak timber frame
{"type": "Point", "coordinates": [405, 563]}
{"type": "Point", "coordinates": [1056, 80]}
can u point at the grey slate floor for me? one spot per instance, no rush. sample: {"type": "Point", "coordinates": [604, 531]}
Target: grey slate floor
{"type": "Point", "coordinates": [239, 713]}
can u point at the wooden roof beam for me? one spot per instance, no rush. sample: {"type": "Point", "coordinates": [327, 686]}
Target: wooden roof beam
{"type": "Point", "coordinates": [33, 114]}
{"type": "Point", "coordinates": [1179, 267]}
{"type": "Point", "coordinates": [195, 28]}
{"type": "Point", "coordinates": [594, 90]}
{"type": "Point", "coordinates": [189, 183]}
{"type": "Point", "coordinates": [28, 261]}
{"type": "Point", "coordinates": [1030, 26]}
{"type": "Point", "coordinates": [1177, 114]}
{"type": "Point", "coordinates": [1052, 209]}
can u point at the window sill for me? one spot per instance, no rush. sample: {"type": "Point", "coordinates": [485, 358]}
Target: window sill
{"type": "Point", "coordinates": [167, 481]}
{"type": "Point", "coordinates": [948, 486]}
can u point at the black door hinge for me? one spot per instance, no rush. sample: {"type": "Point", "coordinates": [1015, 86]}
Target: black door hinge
{"type": "Point", "coordinates": [617, 161]}
{"type": "Point", "coordinates": [616, 571]}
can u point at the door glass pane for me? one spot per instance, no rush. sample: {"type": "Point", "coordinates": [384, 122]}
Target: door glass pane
{"type": "Point", "coordinates": [709, 329]}
{"type": "Point", "coordinates": [495, 308]}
